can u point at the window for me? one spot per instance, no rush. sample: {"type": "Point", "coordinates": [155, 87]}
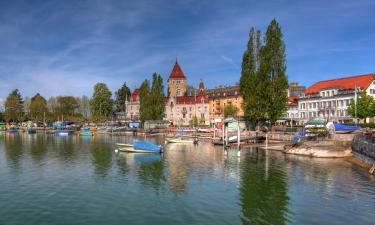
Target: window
{"type": "Point", "coordinates": [332, 93]}
{"type": "Point", "coordinates": [323, 94]}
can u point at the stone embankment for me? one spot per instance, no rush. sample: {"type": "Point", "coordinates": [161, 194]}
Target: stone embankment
{"type": "Point", "coordinates": [363, 147]}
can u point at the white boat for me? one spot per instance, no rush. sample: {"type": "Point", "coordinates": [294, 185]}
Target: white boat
{"type": "Point", "coordinates": [179, 140]}
{"type": "Point", "coordinates": [124, 145]}
{"type": "Point", "coordinates": [132, 150]}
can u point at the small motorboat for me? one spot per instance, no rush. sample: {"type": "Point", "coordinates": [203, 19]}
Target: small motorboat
{"type": "Point", "coordinates": [64, 132]}
{"type": "Point", "coordinates": [180, 140]}
{"type": "Point", "coordinates": [133, 150]}
{"type": "Point", "coordinates": [86, 133]}
{"type": "Point", "coordinates": [140, 147]}
{"type": "Point", "coordinates": [124, 145]}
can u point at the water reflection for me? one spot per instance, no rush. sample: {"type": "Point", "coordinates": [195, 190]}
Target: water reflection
{"type": "Point", "coordinates": [195, 184]}
{"type": "Point", "coordinates": [101, 157]}
{"type": "Point", "coordinates": [13, 146]}
{"type": "Point", "coordinates": [263, 190]}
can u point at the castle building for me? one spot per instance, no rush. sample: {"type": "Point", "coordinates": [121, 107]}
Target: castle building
{"type": "Point", "coordinates": [177, 82]}
{"type": "Point", "coordinates": [181, 109]}
{"type": "Point", "coordinates": [132, 105]}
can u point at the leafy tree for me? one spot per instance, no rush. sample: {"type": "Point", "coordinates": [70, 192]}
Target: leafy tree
{"type": "Point", "coordinates": [273, 68]}
{"type": "Point", "coordinates": [38, 107]}
{"type": "Point", "coordinates": [67, 106]}
{"type": "Point", "coordinates": [263, 82]}
{"type": "Point", "coordinates": [14, 109]}
{"type": "Point", "coordinates": [230, 110]}
{"type": "Point", "coordinates": [144, 109]}
{"type": "Point", "coordinates": [250, 82]}
{"type": "Point", "coordinates": [365, 106]}
{"type": "Point", "coordinates": [122, 95]}
{"type": "Point", "coordinates": [152, 99]}
{"type": "Point", "coordinates": [101, 102]}
{"type": "Point", "coordinates": [157, 97]}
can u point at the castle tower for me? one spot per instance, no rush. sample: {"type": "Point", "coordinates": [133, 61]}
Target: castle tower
{"type": "Point", "coordinates": [176, 81]}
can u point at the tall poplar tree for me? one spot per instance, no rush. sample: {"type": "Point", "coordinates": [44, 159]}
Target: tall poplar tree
{"type": "Point", "coordinates": [157, 97]}
{"type": "Point", "coordinates": [273, 66]}
{"type": "Point", "coordinates": [263, 82]}
{"type": "Point", "coordinates": [144, 109]}
{"type": "Point", "coordinates": [249, 82]}
{"type": "Point", "coordinates": [152, 99]}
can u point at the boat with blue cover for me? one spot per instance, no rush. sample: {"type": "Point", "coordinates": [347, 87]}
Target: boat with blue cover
{"type": "Point", "coordinates": [345, 129]}
{"type": "Point", "coordinates": [140, 146]}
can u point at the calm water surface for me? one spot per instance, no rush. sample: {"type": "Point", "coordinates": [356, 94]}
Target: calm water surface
{"type": "Point", "coordinates": [81, 180]}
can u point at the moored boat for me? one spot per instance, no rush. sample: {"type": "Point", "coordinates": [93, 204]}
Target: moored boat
{"type": "Point", "coordinates": [140, 147]}
{"type": "Point", "coordinates": [180, 140]}
{"type": "Point", "coordinates": [64, 132]}
{"type": "Point", "coordinates": [86, 133]}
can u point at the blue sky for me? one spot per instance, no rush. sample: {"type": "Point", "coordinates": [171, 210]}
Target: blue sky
{"type": "Point", "coordinates": [65, 47]}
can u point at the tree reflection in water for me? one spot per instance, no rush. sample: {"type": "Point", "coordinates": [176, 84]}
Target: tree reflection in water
{"type": "Point", "coordinates": [14, 148]}
{"type": "Point", "coordinates": [151, 170]}
{"type": "Point", "coordinates": [101, 158]}
{"type": "Point", "coordinates": [263, 190]}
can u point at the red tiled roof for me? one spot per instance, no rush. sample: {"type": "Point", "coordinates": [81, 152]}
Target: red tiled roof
{"type": "Point", "coordinates": [135, 94]}
{"type": "Point", "coordinates": [361, 81]}
{"type": "Point", "coordinates": [184, 100]}
{"type": "Point", "coordinates": [177, 72]}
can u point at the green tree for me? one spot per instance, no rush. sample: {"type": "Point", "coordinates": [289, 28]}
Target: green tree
{"type": "Point", "coordinates": [122, 95]}
{"type": "Point", "coordinates": [38, 107]}
{"type": "Point", "coordinates": [365, 107]}
{"type": "Point", "coordinates": [152, 99]}
{"type": "Point", "coordinates": [14, 109]}
{"type": "Point", "coordinates": [263, 82]}
{"type": "Point", "coordinates": [101, 102]}
{"type": "Point", "coordinates": [144, 109]}
{"type": "Point", "coordinates": [67, 107]}
{"type": "Point", "coordinates": [250, 82]}
{"type": "Point", "coordinates": [230, 110]}
{"type": "Point", "coordinates": [273, 68]}
{"type": "Point", "coordinates": [157, 97]}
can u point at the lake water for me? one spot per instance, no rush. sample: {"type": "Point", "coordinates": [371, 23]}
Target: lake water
{"type": "Point", "coordinates": [47, 179]}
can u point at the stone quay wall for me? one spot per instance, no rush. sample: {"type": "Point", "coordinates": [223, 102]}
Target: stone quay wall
{"type": "Point", "coordinates": [363, 148]}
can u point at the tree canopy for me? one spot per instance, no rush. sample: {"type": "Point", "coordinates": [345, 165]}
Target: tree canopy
{"type": "Point", "coordinates": [101, 102]}
{"type": "Point", "coordinates": [152, 99]}
{"type": "Point", "coordinates": [38, 108]}
{"type": "Point", "coordinates": [14, 109]}
{"type": "Point", "coordinates": [122, 95]}
{"type": "Point", "coordinates": [263, 82]}
{"type": "Point", "coordinates": [365, 106]}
